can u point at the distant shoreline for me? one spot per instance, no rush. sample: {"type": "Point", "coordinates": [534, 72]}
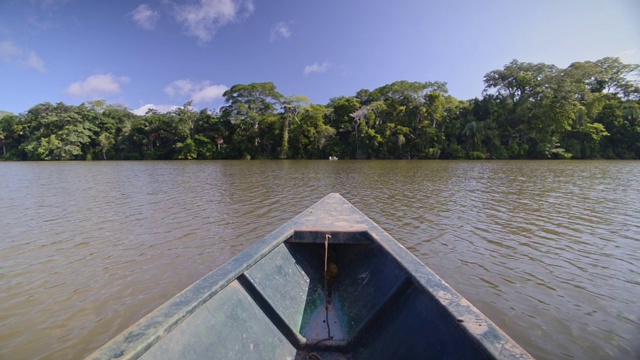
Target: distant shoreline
{"type": "Point", "coordinates": [590, 110]}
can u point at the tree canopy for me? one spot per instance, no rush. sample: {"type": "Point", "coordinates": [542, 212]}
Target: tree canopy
{"type": "Point", "coordinates": [590, 109]}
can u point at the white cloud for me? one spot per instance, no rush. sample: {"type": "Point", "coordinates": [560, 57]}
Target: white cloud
{"type": "Point", "coordinates": [317, 68]}
{"type": "Point", "coordinates": [145, 17]}
{"type": "Point", "coordinates": [199, 92]}
{"type": "Point", "coordinates": [180, 87]}
{"type": "Point", "coordinates": [281, 30]}
{"type": "Point", "coordinates": [11, 53]}
{"type": "Point", "coordinates": [97, 84]}
{"type": "Point", "coordinates": [160, 108]}
{"type": "Point", "coordinates": [209, 93]}
{"type": "Point", "coordinates": [203, 18]}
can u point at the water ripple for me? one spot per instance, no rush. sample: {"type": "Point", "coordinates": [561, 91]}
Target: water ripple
{"type": "Point", "coordinates": [550, 251]}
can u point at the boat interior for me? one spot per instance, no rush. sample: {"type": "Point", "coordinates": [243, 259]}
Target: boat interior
{"type": "Point", "coordinates": [321, 296]}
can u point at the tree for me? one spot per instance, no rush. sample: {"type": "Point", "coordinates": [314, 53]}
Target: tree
{"type": "Point", "coordinates": [291, 106]}
{"type": "Point", "coordinates": [472, 132]}
{"type": "Point", "coordinates": [311, 136]}
{"type": "Point", "coordinates": [181, 127]}
{"type": "Point", "coordinates": [61, 132]}
{"type": "Point", "coordinates": [105, 141]}
{"type": "Point", "coordinates": [615, 77]}
{"type": "Point", "coordinates": [591, 109]}
{"type": "Point", "coordinates": [359, 116]}
{"type": "Point", "coordinates": [208, 135]}
{"type": "Point", "coordinates": [249, 107]}
{"type": "Point", "coordinates": [341, 120]}
{"type": "Point", "coordinates": [7, 122]}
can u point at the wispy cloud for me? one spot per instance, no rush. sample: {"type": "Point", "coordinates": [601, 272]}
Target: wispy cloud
{"type": "Point", "coordinates": [145, 17]}
{"type": "Point", "coordinates": [34, 61]}
{"type": "Point", "coordinates": [199, 92]}
{"type": "Point", "coordinates": [9, 50]}
{"type": "Point", "coordinates": [47, 4]}
{"type": "Point", "coordinates": [12, 53]}
{"type": "Point", "coordinates": [280, 31]}
{"type": "Point", "coordinates": [317, 68]}
{"type": "Point", "coordinates": [159, 108]}
{"type": "Point", "coordinates": [204, 17]}
{"type": "Point", "coordinates": [40, 22]}
{"type": "Point", "coordinates": [97, 84]}
{"type": "Point", "coordinates": [41, 13]}
{"type": "Point", "coordinates": [630, 56]}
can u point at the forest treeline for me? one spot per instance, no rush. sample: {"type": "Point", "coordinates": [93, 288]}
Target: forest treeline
{"type": "Point", "coordinates": [588, 110]}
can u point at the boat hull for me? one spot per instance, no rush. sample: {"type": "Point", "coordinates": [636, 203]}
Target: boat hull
{"type": "Point", "coordinates": [329, 284]}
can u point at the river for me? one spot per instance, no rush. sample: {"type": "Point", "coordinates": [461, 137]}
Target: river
{"type": "Point", "coordinates": [548, 250]}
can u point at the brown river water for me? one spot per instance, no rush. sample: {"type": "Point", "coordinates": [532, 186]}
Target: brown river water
{"type": "Point", "coordinates": [549, 251]}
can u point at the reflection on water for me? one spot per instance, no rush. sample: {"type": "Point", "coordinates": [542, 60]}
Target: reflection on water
{"type": "Point", "coordinates": [550, 251]}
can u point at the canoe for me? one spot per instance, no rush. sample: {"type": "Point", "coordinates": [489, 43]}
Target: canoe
{"type": "Point", "coordinates": [328, 284]}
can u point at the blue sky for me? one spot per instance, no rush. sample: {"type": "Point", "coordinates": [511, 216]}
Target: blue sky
{"type": "Point", "coordinates": [162, 53]}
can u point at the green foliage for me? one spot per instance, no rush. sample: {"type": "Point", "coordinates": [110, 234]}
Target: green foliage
{"type": "Point", "coordinates": [590, 109]}
{"type": "Point", "coordinates": [454, 151]}
{"type": "Point", "coordinates": [551, 150]}
{"type": "Point", "coordinates": [186, 150]}
{"type": "Point", "coordinates": [476, 155]}
{"type": "Point", "coordinates": [311, 136]}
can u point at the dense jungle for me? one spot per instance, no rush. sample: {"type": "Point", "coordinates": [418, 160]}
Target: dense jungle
{"type": "Point", "coordinates": [588, 110]}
